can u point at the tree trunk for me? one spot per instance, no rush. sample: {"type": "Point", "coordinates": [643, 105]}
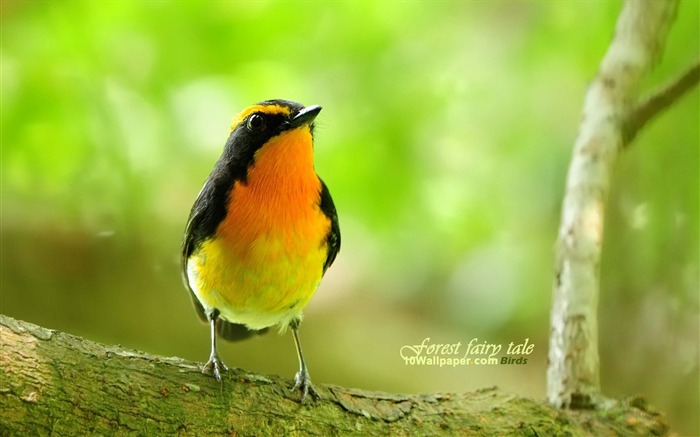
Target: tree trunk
{"type": "Point", "coordinates": [611, 118]}
{"type": "Point", "coordinates": [53, 383]}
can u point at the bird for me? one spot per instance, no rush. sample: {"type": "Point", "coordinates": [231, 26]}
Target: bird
{"type": "Point", "coordinates": [262, 232]}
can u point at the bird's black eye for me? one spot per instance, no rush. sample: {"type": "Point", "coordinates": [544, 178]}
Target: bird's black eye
{"type": "Point", "coordinates": [256, 122]}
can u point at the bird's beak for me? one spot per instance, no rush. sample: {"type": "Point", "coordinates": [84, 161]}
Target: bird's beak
{"type": "Point", "coordinates": [305, 116]}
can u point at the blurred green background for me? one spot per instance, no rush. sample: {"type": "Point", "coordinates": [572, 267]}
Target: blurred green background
{"type": "Point", "coordinates": [445, 138]}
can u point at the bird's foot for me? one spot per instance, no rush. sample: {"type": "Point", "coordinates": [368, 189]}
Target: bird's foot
{"type": "Point", "coordinates": [215, 367]}
{"type": "Point", "coordinates": [302, 382]}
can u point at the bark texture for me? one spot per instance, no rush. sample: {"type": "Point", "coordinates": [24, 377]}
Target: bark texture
{"type": "Point", "coordinates": [573, 378]}
{"type": "Point", "coordinates": [53, 383]}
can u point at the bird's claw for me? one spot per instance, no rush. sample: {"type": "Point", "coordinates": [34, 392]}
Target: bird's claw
{"type": "Point", "coordinates": [302, 382]}
{"type": "Point", "coordinates": [215, 367]}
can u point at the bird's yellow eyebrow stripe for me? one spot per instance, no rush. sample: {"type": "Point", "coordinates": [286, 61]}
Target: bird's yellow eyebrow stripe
{"type": "Point", "coordinates": [265, 109]}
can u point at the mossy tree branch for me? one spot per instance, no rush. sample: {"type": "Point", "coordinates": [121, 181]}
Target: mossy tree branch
{"type": "Point", "coordinates": [53, 383]}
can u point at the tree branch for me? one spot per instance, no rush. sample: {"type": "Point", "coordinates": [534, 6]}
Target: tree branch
{"type": "Point", "coordinates": [657, 102]}
{"type": "Point", "coordinates": [53, 383]}
{"type": "Point", "coordinates": [573, 376]}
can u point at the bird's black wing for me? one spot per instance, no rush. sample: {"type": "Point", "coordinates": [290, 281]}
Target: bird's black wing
{"type": "Point", "coordinates": [194, 236]}
{"type": "Point", "coordinates": [333, 237]}
{"type": "Point", "coordinates": [207, 212]}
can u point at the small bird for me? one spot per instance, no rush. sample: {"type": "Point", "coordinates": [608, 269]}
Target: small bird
{"type": "Point", "coordinates": [262, 232]}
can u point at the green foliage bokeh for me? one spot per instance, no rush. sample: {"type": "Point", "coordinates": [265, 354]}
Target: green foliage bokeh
{"type": "Point", "coordinates": [445, 138]}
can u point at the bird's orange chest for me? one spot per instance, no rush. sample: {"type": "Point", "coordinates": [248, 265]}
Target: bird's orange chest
{"type": "Point", "coordinates": [279, 201]}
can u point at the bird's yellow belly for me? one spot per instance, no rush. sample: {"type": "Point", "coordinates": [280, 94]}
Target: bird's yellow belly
{"type": "Point", "coordinates": [263, 283]}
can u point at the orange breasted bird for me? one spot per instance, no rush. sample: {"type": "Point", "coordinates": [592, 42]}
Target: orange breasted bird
{"type": "Point", "coordinates": [262, 232]}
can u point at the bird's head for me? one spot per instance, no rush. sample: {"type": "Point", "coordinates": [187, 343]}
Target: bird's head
{"type": "Point", "coordinates": [268, 123]}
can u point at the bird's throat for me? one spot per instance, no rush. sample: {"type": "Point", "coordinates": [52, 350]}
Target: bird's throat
{"type": "Point", "coordinates": [281, 191]}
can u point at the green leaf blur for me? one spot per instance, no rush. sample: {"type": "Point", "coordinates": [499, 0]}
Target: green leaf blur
{"type": "Point", "coordinates": [445, 138]}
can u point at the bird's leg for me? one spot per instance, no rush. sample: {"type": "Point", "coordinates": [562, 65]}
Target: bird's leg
{"type": "Point", "coordinates": [302, 381]}
{"type": "Point", "coordinates": [214, 366]}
